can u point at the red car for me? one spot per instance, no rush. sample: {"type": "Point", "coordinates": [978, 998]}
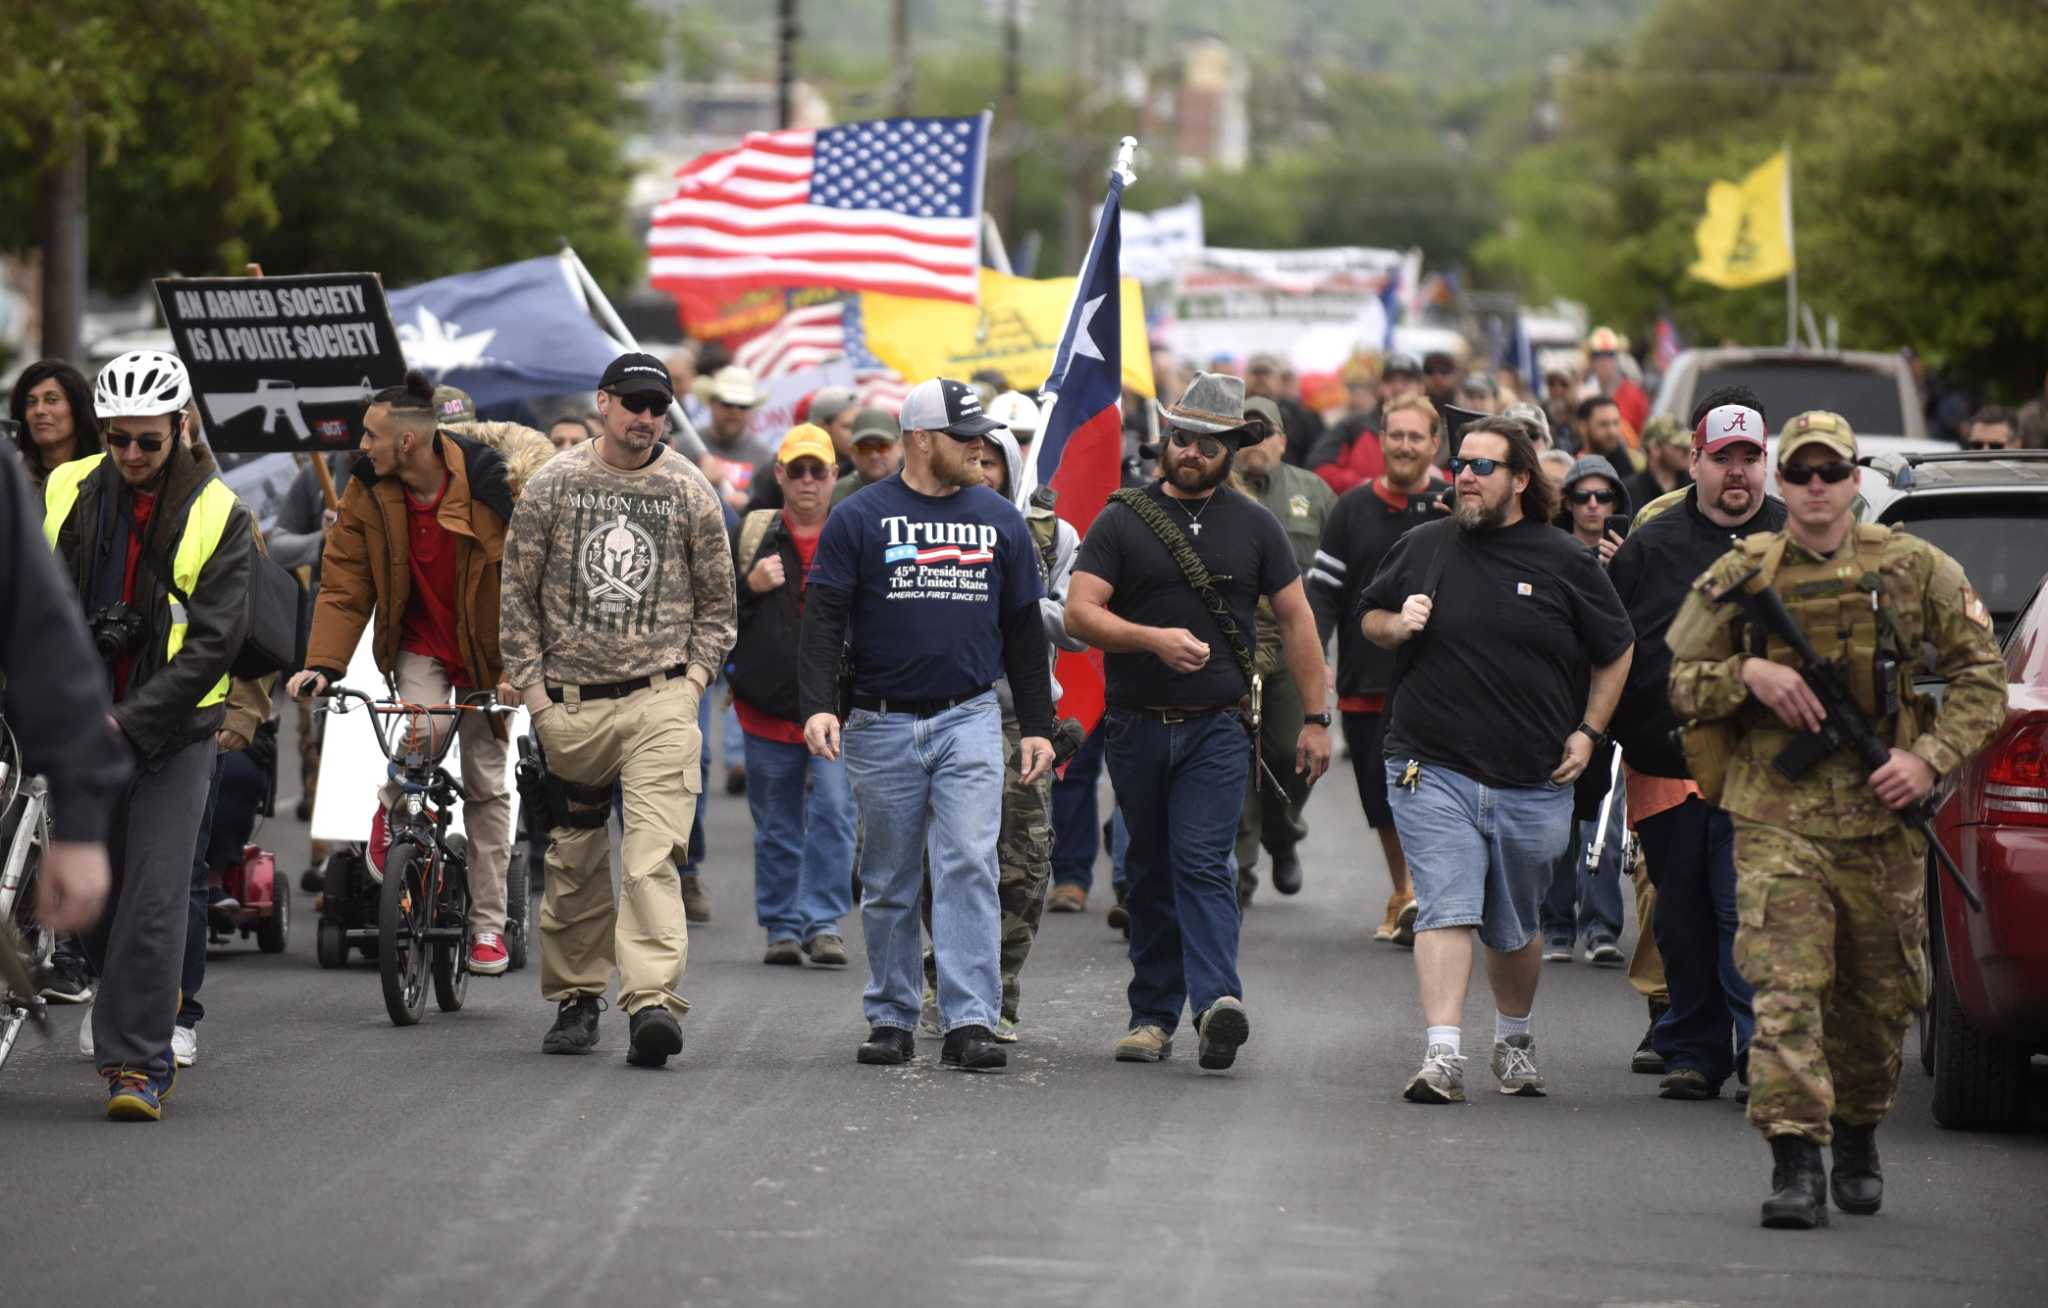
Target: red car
{"type": "Point", "coordinates": [1990, 1008]}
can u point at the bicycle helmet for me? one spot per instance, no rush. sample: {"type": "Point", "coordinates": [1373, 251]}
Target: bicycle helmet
{"type": "Point", "coordinates": [141, 384]}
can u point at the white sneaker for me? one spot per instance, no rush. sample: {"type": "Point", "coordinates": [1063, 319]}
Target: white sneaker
{"type": "Point", "coordinates": [185, 1045]}
{"type": "Point", "coordinates": [1514, 1065]}
{"type": "Point", "coordinates": [85, 1035]}
{"type": "Point", "coordinates": [1441, 1080]}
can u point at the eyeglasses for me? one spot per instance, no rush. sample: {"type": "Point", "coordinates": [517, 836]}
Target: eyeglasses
{"type": "Point", "coordinates": [1479, 467]}
{"type": "Point", "coordinates": [1798, 474]}
{"type": "Point", "coordinates": [1441, 369]}
{"type": "Point", "coordinates": [807, 470]}
{"type": "Point", "coordinates": [1210, 446]}
{"type": "Point", "coordinates": [642, 402]}
{"type": "Point", "coordinates": [1589, 497]}
{"type": "Point", "coordinates": [872, 447]}
{"type": "Point", "coordinates": [1985, 445]}
{"type": "Point", "coordinates": [119, 440]}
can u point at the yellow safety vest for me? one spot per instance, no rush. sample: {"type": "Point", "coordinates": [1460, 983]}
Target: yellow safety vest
{"type": "Point", "coordinates": [211, 511]}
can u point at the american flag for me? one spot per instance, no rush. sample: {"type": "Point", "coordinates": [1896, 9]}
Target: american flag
{"type": "Point", "coordinates": [820, 333]}
{"type": "Point", "coordinates": [889, 205]}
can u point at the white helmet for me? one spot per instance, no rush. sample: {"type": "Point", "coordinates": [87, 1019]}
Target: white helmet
{"type": "Point", "coordinates": [1014, 410]}
{"type": "Point", "coordinates": [141, 384]}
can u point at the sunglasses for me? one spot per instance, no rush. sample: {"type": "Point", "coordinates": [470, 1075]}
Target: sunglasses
{"type": "Point", "coordinates": [117, 440]}
{"type": "Point", "coordinates": [1479, 467]}
{"type": "Point", "coordinates": [872, 447]}
{"type": "Point", "coordinates": [642, 402]}
{"type": "Point", "coordinates": [1440, 369]}
{"type": "Point", "coordinates": [1210, 446]}
{"type": "Point", "coordinates": [1985, 445]}
{"type": "Point", "coordinates": [1798, 474]}
{"type": "Point", "coordinates": [1590, 497]}
{"type": "Point", "coordinates": [806, 470]}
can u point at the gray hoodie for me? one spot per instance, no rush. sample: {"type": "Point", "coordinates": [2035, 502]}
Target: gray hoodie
{"type": "Point", "coordinates": [1053, 607]}
{"type": "Point", "coordinates": [1595, 465]}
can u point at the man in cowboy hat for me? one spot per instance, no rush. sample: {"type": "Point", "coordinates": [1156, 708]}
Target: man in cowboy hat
{"type": "Point", "coordinates": [1178, 673]}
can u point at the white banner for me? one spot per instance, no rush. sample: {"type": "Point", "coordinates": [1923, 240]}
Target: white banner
{"type": "Point", "coordinates": [1158, 244]}
{"type": "Point", "coordinates": [1295, 272]}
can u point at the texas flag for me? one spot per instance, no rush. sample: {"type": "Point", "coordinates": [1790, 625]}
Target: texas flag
{"type": "Point", "coordinates": [1080, 447]}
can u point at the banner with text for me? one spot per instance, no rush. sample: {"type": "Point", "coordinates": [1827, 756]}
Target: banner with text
{"type": "Point", "coordinates": [283, 363]}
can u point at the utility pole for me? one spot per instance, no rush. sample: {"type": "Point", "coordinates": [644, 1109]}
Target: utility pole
{"type": "Point", "coordinates": [64, 253]}
{"type": "Point", "coordinates": [786, 33]}
{"type": "Point", "coordinates": [899, 47]}
{"type": "Point", "coordinates": [1002, 200]}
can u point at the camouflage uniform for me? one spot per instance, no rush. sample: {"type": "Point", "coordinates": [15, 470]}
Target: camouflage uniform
{"type": "Point", "coordinates": [1830, 887]}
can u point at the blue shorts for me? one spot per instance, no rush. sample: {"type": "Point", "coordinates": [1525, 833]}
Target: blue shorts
{"type": "Point", "coordinates": [1478, 855]}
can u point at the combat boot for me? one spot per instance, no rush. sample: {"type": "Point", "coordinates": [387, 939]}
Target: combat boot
{"type": "Point", "coordinates": [1799, 1200]}
{"type": "Point", "coordinates": [1857, 1179]}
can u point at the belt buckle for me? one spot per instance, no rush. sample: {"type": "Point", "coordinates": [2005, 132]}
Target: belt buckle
{"type": "Point", "coordinates": [1173, 717]}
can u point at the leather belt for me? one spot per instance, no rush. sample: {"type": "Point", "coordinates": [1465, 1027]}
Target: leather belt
{"type": "Point", "coordinates": [917, 708]}
{"type": "Point", "coordinates": [1180, 713]}
{"type": "Point", "coordinates": [618, 689]}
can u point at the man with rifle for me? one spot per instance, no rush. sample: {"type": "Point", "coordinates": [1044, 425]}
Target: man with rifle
{"type": "Point", "coordinates": [1792, 659]}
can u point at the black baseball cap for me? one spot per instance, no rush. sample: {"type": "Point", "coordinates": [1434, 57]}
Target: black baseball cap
{"type": "Point", "coordinates": [943, 404]}
{"type": "Point", "coordinates": [637, 374]}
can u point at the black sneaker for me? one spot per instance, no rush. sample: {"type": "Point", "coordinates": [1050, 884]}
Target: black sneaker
{"type": "Point", "coordinates": [1223, 1027]}
{"type": "Point", "coordinates": [1646, 1059]}
{"type": "Point", "coordinates": [575, 1028]}
{"type": "Point", "coordinates": [887, 1046]}
{"type": "Point", "coordinates": [1287, 872]}
{"type": "Point", "coordinates": [652, 1034]}
{"type": "Point", "coordinates": [65, 981]}
{"type": "Point", "coordinates": [973, 1049]}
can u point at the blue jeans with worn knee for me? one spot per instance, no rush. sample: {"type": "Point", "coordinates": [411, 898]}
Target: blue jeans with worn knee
{"type": "Point", "coordinates": [1480, 855]}
{"type": "Point", "coordinates": [930, 787]}
{"type": "Point", "coordinates": [1179, 787]}
{"type": "Point", "coordinates": [803, 839]}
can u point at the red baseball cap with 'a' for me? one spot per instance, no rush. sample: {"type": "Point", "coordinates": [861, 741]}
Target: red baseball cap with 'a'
{"type": "Point", "coordinates": [1730, 424]}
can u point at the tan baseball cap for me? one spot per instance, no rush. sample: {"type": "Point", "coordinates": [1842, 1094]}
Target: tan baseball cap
{"type": "Point", "coordinates": [1816, 427]}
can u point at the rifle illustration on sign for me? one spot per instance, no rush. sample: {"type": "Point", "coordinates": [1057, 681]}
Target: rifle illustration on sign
{"type": "Point", "coordinates": [281, 399]}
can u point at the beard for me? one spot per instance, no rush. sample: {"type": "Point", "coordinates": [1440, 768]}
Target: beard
{"type": "Point", "coordinates": [1735, 500]}
{"type": "Point", "coordinates": [1479, 517]}
{"type": "Point", "coordinates": [1191, 480]}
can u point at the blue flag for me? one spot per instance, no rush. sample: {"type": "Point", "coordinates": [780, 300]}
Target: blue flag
{"type": "Point", "coordinates": [504, 333]}
{"type": "Point", "coordinates": [1080, 451]}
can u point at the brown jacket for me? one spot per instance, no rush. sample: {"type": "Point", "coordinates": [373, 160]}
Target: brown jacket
{"type": "Point", "coordinates": [366, 570]}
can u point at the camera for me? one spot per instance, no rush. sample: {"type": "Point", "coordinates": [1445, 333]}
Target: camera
{"type": "Point", "coordinates": [117, 631]}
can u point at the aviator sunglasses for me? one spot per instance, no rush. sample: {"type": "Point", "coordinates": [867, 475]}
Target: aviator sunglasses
{"type": "Point", "coordinates": [1211, 446]}
{"type": "Point", "coordinates": [1798, 474]}
{"type": "Point", "coordinates": [807, 470]}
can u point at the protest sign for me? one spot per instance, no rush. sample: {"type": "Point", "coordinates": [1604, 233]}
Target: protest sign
{"type": "Point", "coordinates": [1014, 330]}
{"type": "Point", "coordinates": [283, 363]}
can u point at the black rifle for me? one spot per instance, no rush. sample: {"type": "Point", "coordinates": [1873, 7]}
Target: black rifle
{"type": "Point", "coordinates": [1843, 724]}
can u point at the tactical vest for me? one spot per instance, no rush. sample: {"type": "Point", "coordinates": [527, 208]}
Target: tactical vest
{"type": "Point", "coordinates": [208, 518]}
{"type": "Point", "coordinates": [1843, 607]}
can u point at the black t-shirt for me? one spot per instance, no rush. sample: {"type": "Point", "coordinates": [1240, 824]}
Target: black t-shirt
{"type": "Point", "coordinates": [1499, 679]}
{"type": "Point", "coordinates": [1241, 544]}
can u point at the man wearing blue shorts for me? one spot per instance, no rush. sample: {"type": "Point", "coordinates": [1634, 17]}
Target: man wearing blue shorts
{"type": "Point", "coordinates": [1512, 650]}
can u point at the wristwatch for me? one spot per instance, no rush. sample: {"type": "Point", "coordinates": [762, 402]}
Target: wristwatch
{"type": "Point", "coordinates": [1316, 719]}
{"type": "Point", "coordinates": [1600, 739]}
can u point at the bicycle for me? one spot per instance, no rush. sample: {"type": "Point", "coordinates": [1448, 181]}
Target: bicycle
{"type": "Point", "coordinates": [25, 945]}
{"type": "Point", "coordinates": [423, 905]}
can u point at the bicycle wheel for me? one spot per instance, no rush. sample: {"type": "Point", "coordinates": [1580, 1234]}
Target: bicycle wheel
{"type": "Point", "coordinates": [451, 957]}
{"type": "Point", "coordinates": [403, 911]}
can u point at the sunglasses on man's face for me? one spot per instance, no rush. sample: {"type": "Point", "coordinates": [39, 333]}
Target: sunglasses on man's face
{"type": "Point", "coordinates": [1479, 467]}
{"type": "Point", "coordinates": [871, 447]}
{"type": "Point", "coordinates": [1210, 446]}
{"type": "Point", "coordinates": [1985, 445]}
{"type": "Point", "coordinates": [643, 402]}
{"type": "Point", "coordinates": [806, 470]}
{"type": "Point", "coordinates": [1591, 496]}
{"type": "Point", "coordinates": [1799, 474]}
{"type": "Point", "coordinates": [121, 440]}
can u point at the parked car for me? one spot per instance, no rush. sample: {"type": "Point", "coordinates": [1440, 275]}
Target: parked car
{"type": "Point", "coordinates": [1987, 509]}
{"type": "Point", "coordinates": [1989, 1014]}
{"type": "Point", "coordinates": [1875, 392]}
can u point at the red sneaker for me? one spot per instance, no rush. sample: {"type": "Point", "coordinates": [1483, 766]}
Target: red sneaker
{"type": "Point", "coordinates": [378, 844]}
{"type": "Point", "coordinates": [487, 956]}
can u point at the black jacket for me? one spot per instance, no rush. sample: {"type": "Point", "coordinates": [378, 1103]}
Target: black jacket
{"type": "Point", "coordinates": [762, 665]}
{"type": "Point", "coordinates": [58, 717]}
{"type": "Point", "coordinates": [158, 714]}
{"type": "Point", "coordinates": [1652, 571]}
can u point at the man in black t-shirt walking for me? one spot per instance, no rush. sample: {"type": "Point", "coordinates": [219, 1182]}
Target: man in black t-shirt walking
{"type": "Point", "coordinates": [1490, 723]}
{"type": "Point", "coordinates": [1177, 672]}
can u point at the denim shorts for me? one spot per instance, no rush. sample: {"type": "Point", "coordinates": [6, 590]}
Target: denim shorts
{"type": "Point", "coordinates": [1479, 855]}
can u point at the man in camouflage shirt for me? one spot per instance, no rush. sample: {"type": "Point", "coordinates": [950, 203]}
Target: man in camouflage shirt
{"type": "Point", "coordinates": [618, 610]}
{"type": "Point", "coordinates": [1830, 887]}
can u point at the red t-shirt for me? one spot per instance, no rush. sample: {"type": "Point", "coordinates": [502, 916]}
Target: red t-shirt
{"type": "Point", "coordinates": [429, 625]}
{"type": "Point", "coordinates": [145, 509]}
{"type": "Point", "coordinates": [766, 726]}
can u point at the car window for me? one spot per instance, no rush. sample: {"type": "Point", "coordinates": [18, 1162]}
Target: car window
{"type": "Point", "coordinates": [2028, 641]}
{"type": "Point", "coordinates": [2003, 550]}
{"type": "Point", "coordinates": [1869, 400]}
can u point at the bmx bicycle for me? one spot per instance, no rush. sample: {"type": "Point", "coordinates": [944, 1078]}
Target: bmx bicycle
{"type": "Point", "coordinates": [423, 904]}
{"type": "Point", "coordinates": [25, 945]}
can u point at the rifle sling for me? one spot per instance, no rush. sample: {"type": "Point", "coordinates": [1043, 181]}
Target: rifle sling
{"type": "Point", "coordinates": [1192, 568]}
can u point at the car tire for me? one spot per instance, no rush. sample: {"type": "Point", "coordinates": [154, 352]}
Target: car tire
{"type": "Point", "coordinates": [1980, 1081]}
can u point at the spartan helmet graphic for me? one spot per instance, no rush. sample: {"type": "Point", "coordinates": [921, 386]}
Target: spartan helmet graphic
{"type": "Point", "coordinates": [618, 550]}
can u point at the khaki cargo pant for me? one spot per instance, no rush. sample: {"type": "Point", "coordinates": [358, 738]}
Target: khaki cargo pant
{"type": "Point", "coordinates": [1832, 934]}
{"type": "Point", "coordinates": [487, 813]}
{"type": "Point", "coordinates": [650, 744]}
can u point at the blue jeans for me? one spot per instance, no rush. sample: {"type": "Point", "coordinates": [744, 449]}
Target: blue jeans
{"type": "Point", "coordinates": [1689, 852]}
{"type": "Point", "coordinates": [1076, 821]}
{"type": "Point", "coordinates": [1582, 904]}
{"type": "Point", "coordinates": [1119, 850]}
{"type": "Point", "coordinates": [1179, 787]}
{"type": "Point", "coordinates": [930, 788]}
{"type": "Point", "coordinates": [1479, 855]}
{"type": "Point", "coordinates": [803, 840]}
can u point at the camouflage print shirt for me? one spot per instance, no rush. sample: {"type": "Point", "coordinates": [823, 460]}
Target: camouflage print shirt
{"type": "Point", "coordinates": [1302, 502]}
{"type": "Point", "coordinates": [1933, 602]}
{"type": "Point", "coordinates": [611, 575]}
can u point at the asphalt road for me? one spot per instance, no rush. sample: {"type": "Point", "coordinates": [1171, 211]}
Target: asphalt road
{"type": "Point", "coordinates": [318, 1155]}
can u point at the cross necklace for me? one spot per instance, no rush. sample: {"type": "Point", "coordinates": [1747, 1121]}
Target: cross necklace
{"type": "Point", "coordinates": [1195, 515]}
